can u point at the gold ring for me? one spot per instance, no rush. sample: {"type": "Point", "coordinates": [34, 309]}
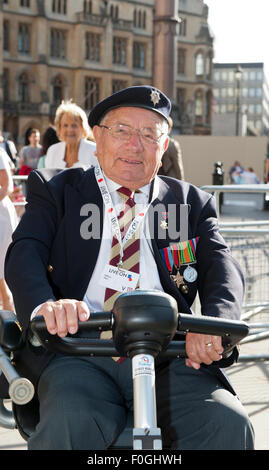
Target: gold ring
{"type": "Point", "coordinates": [208, 344]}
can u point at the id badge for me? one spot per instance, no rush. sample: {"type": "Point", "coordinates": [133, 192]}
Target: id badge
{"type": "Point", "coordinates": [119, 279]}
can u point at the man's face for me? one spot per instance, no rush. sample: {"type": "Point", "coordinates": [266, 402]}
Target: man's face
{"type": "Point", "coordinates": [135, 162]}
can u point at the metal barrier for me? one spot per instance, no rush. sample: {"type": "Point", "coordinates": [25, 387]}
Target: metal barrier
{"type": "Point", "coordinates": [235, 188]}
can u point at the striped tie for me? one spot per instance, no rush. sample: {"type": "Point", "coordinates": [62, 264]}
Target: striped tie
{"type": "Point", "coordinates": [131, 251]}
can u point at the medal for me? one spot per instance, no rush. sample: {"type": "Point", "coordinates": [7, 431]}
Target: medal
{"type": "Point", "coordinates": [190, 274]}
{"type": "Point", "coordinates": [164, 225]}
{"type": "Point", "coordinates": [177, 278]}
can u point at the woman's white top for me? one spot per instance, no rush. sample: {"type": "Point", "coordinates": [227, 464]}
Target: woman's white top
{"type": "Point", "coordinates": [86, 158]}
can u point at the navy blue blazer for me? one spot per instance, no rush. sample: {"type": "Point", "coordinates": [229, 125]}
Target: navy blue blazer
{"type": "Point", "coordinates": [49, 259]}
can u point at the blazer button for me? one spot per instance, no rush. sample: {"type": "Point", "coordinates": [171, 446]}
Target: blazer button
{"type": "Point", "coordinates": [50, 268]}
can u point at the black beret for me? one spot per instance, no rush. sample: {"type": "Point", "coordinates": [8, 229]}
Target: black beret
{"type": "Point", "coordinates": [143, 96]}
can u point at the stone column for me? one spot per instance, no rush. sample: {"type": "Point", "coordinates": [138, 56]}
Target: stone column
{"type": "Point", "coordinates": [165, 28]}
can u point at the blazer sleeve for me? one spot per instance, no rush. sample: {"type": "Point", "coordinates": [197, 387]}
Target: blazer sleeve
{"type": "Point", "coordinates": [27, 257]}
{"type": "Point", "coordinates": [220, 278]}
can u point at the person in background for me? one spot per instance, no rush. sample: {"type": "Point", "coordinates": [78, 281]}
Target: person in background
{"type": "Point", "coordinates": [30, 154]}
{"type": "Point", "coordinates": [8, 223]}
{"type": "Point", "coordinates": [49, 138]}
{"type": "Point", "coordinates": [9, 147]}
{"type": "Point", "coordinates": [74, 148]}
{"type": "Point", "coordinates": [249, 177]}
{"type": "Point", "coordinates": [172, 164]}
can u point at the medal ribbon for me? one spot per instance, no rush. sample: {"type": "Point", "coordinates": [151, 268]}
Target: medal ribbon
{"type": "Point", "coordinates": [179, 253]}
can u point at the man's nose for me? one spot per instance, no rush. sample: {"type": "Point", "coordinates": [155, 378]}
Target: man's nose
{"type": "Point", "coordinates": [136, 139]}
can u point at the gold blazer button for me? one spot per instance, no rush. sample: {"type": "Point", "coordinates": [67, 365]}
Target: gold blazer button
{"type": "Point", "coordinates": [50, 268]}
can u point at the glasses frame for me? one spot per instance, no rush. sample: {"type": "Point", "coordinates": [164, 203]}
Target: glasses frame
{"type": "Point", "coordinates": [134, 131]}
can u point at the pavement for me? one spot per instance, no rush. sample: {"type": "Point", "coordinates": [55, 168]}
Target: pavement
{"type": "Point", "coordinates": [250, 378]}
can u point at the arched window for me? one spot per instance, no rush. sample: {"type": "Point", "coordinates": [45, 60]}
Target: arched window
{"type": "Point", "coordinates": [24, 95]}
{"type": "Point", "coordinates": [199, 64]}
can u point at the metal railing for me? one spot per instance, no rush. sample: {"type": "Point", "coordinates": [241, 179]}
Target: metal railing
{"type": "Point", "coordinates": [217, 190]}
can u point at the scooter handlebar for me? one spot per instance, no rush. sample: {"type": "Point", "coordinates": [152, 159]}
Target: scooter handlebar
{"type": "Point", "coordinates": [231, 331]}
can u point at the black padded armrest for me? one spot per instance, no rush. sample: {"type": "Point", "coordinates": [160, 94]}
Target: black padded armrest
{"type": "Point", "coordinates": [10, 331]}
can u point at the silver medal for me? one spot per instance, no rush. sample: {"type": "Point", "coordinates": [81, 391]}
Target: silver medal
{"type": "Point", "coordinates": [190, 274]}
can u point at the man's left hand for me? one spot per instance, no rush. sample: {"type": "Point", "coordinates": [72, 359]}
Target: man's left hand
{"type": "Point", "coordinates": [202, 349]}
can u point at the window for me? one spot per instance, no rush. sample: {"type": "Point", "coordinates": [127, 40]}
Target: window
{"type": "Point", "coordinates": [217, 76]}
{"type": "Point", "coordinates": [181, 58]}
{"type": "Point", "coordinates": [58, 90]}
{"type": "Point", "coordinates": [87, 7]}
{"type": "Point", "coordinates": [118, 85]}
{"type": "Point", "coordinates": [93, 45]}
{"type": "Point", "coordinates": [224, 76]}
{"type": "Point", "coordinates": [251, 92]}
{"type": "Point", "coordinates": [139, 55]}
{"type": "Point", "coordinates": [258, 92]}
{"type": "Point", "coordinates": [5, 35]}
{"type": "Point", "coordinates": [140, 19]}
{"type": "Point", "coordinates": [198, 104]}
{"type": "Point", "coordinates": [183, 27]}
{"type": "Point", "coordinates": [230, 91]}
{"type": "Point", "coordinates": [199, 64]}
{"type": "Point", "coordinates": [24, 38]}
{"type": "Point", "coordinates": [92, 92]}
{"type": "Point", "coordinates": [24, 88]}
{"type": "Point", "coordinates": [119, 51]}
{"type": "Point", "coordinates": [58, 43]}
{"type": "Point", "coordinates": [59, 6]}
{"type": "Point", "coordinates": [216, 92]}
{"type": "Point", "coordinates": [252, 75]}
{"type": "Point", "coordinates": [5, 85]}
{"type": "Point", "coordinates": [181, 100]}
{"type": "Point", "coordinates": [114, 12]}
{"type": "Point", "coordinates": [25, 3]}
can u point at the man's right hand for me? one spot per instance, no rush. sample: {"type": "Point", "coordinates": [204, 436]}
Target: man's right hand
{"type": "Point", "coordinates": [62, 316]}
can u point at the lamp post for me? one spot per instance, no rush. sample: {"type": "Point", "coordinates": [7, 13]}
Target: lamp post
{"type": "Point", "coordinates": [238, 77]}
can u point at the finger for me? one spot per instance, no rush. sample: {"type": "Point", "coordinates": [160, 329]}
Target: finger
{"type": "Point", "coordinates": [47, 312]}
{"type": "Point", "coordinates": [217, 344]}
{"type": "Point", "coordinates": [71, 316]}
{"type": "Point", "coordinates": [61, 318]}
{"type": "Point", "coordinates": [190, 363]}
{"type": "Point", "coordinates": [83, 311]}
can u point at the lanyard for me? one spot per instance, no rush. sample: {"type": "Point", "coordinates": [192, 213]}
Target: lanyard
{"type": "Point", "coordinates": [112, 213]}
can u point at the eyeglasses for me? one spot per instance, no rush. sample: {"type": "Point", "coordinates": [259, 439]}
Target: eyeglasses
{"type": "Point", "coordinates": [124, 133]}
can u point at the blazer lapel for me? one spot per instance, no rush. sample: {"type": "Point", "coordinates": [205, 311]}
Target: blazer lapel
{"type": "Point", "coordinates": [168, 205]}
{"type": "Point", "coordinates": [83, 229]}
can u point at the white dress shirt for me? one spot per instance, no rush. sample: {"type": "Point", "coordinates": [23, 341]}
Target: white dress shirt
{"type": "Point", "coordinates": [94, 296]}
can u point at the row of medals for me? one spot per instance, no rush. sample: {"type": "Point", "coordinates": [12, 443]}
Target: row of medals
{"type": "Point", "coordinates": [189, 274]}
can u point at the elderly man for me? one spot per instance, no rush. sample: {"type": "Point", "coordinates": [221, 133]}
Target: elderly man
{"type": "Point", "coordinates": [55, 268]}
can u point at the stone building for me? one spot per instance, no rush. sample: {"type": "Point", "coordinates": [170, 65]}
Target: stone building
{"type": "Point", "coordinates": [85, 49]}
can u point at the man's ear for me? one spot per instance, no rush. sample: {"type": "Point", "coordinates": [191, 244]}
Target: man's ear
{"type": "Point", "coordinates": [96, 132]}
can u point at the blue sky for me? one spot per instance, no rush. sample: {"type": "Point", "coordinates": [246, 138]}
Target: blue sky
{"type": "Point", "coordinates": [241, 30]}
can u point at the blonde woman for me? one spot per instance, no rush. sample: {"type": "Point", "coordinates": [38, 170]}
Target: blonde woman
{"type": "Point", "coordinates": [74, 149]}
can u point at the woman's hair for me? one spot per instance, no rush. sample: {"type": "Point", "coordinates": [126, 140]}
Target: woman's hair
{"type": "Point", "coordinates": [68, 107]}
{"type": "Point", "coordinates": [49, 138]}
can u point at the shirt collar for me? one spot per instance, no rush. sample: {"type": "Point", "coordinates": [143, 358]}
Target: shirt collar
{"type": "Point", "coordinates": [113, 187]}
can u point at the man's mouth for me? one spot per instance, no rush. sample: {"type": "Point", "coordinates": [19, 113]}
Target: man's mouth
{"type": "Point", "coordinates": [131, 162]}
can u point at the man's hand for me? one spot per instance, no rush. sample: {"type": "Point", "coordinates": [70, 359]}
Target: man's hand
{"type": "Point", "coordinates": [62, 316]}
{"type": "Point", "coordinates": [202, 348]}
